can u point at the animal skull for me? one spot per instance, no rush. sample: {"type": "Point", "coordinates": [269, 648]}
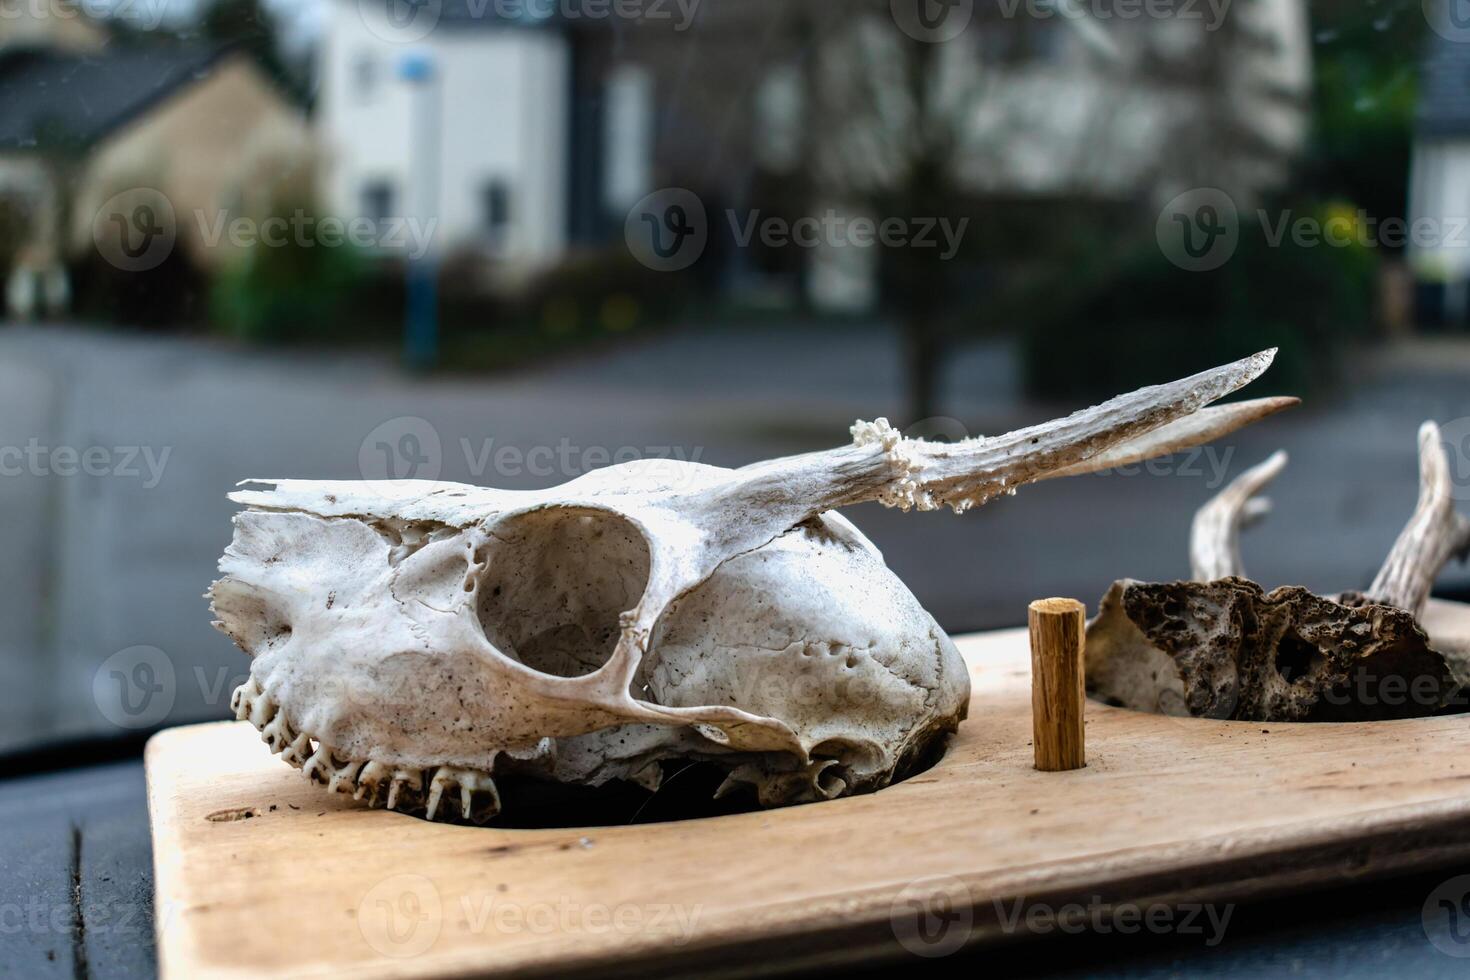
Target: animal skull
{"type": "Point", "coordinates": [410, 639]}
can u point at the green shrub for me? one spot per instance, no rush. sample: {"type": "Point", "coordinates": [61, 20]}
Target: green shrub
{"type": "Point", "coordinates": [303, 290]}
{"type": "Point", "coordinates": [587, 299]}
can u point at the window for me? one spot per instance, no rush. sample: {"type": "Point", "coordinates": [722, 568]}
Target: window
{"type": "Point", "coordinates": [377, 200]}
{"type": "Point", "coordinates": [627, 137]}
{"type": "Point", "coordinates": [365, 76]}
{"type": "Point", "coordinates": [495, 209]}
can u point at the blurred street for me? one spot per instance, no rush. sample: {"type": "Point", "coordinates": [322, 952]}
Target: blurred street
{"type": "Point", "coordinates": [121, 448]}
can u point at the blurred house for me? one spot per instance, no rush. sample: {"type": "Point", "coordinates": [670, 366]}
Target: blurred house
{"type": "Point", "coordinates": [1439, 183]}
{"type": "Point", "coordinates": [515, 136]}
{"type": "Point", "coordinates": [525, 137]}
{"type": "Point", "coordinates": [1062, 108]}
{"type": "Point", "coordinates": [83, 120]}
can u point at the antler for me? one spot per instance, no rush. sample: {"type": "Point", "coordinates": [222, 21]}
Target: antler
{"type": "Point", "coordinates": [1124, 429]}
{"type": "Point", "coordinates": [1214, 538]}
{"type": "Point", "coordinates": [1434, 533]}
{"type": "Point", "coordinates": [882, 465]}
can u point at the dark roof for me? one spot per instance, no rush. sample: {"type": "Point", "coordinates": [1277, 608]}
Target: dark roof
{"type": "Point", "coordinates": [53, 98]}
{"type": "Point", "coordinates": [1444, 88]}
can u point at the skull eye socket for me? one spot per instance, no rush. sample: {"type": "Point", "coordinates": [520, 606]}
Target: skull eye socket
{"type": "Point", "coordinates": [555, 584]}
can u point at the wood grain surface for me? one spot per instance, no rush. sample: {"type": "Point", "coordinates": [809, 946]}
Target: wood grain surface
{"type": "Point", "coordinates": [259, 872]}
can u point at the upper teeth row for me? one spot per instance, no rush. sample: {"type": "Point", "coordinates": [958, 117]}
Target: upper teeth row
{"type": "Point", "coordinates": [365, 779]}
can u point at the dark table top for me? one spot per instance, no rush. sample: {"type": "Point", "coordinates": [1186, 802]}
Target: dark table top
{"type": "Point", "coordinates": [76, 901]}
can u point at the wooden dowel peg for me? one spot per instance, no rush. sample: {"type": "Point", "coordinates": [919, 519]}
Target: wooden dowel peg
{"type": "Point", "coordinates": [1057, 687]}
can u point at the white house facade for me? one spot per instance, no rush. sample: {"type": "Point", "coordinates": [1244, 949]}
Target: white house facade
{"type": "Point", "coordinates": [464, 131]}
{"type": "Point", "coordinates": [1439, 184]}
{"type": "Point", "coordinates": [514, 139]}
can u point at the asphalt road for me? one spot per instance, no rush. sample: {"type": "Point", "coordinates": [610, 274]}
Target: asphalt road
{"type": "Point", "coordinates": [116, 452]}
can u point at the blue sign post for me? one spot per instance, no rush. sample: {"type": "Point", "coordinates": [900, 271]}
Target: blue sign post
{"type": "Point", "coordinates": [421, 311]}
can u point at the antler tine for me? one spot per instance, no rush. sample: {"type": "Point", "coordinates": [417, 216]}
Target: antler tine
{"type": "Point", "coordinates": [881, 465]}
{"type": "Point", "coordinates": [1214, 538]}
{"type": "Point", "coordinates": [965, 474]}
{"type": "Point", "coordinates": [1206, 425]}
{"type": "Point", "coordinates": [1434, 533]}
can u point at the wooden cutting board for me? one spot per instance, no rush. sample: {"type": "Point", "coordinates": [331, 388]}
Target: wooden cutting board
{"type": "Point", "coordinates": [260, 873]}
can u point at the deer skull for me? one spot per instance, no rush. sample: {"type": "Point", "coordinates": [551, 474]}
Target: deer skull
{"type": "Point", "coordinates": [411, 639]}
